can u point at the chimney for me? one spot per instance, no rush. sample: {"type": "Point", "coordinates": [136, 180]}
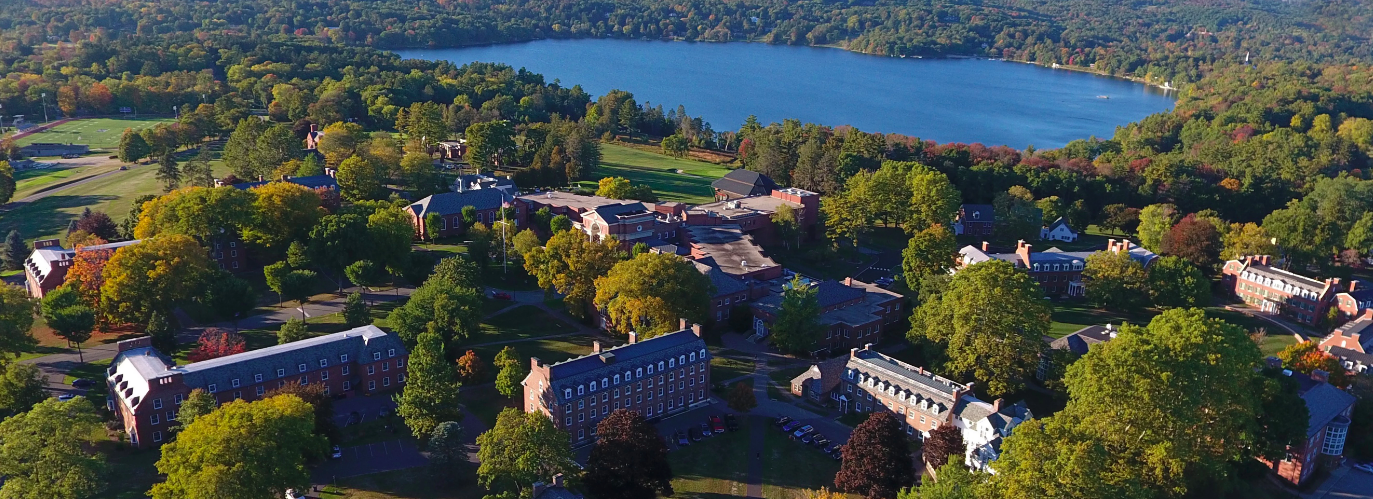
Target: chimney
{"type": "Point", "coordinates": [633, 337]}
{"type": "Point", "coordinates": [1263, 260]}
{"type": "Point", "coordinates": [596, 346]}
{"type": "Point", "coordinates": [314, 127]}
{"type": "Point", "coordinates": [681, 324]}
{"type": "Point", "coordinates": [1320, 375]}
{"type": "Point", "coordinates": [534, 363]}
{"type": "Point", "coordinates": [867, 346]}
{"type": "Point", "coordinates": [848, 281]}
{"type": "Point", "coordinates": [538, 488]}
{"type": "Point", "coordinates": [1125, 245]}
{"type": "Point", "coordinates": [853, 353]}
{"type": "Point", "coordinates": [558, 480]}
{"type": "Point", "coordinates": [1023, 250]}
{"type": "Point", "coordinates": [1273, 362]}
{"type": "Point", "coordinates": [696, 330]}
{"type": "Point", "coordinates": [986, 246]}
{"type": "Point", "coordinates": [996, 405]}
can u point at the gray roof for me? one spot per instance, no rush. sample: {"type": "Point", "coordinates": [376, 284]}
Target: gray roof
{"type": "Point", "coordinates": [1080, 341]}
{"type": "Point", "coordinates": [724, 284]}
{"type": "Point", "coordinates": [977, 213]}
{"type": "Point", "coordinates": [745, 183]}
{"type": "Point", "coordinates": [1323, 401]}
{"type": "Point", "coordinates": [614, 212]}
{"type": "Point", "coordinates": [449, 203]}
{"type": "Point", "coordinates": [872, 359]}
{"type": "Point", "coordinates": [1277, 274]}
{"type": "Point", "coordinates": [1060, 222]}
{"type": "Point", "coordinates": [578, 371]}
{"type": "Point", "coordinates": [830, 293]}
{"type": "Point", "coordinates": [313, 182]}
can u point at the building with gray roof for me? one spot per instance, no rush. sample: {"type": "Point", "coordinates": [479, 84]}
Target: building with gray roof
{"type": "Point", "coordinates": [1058, 272]}
{"type": "Point", "coordinates": [1328, 409]}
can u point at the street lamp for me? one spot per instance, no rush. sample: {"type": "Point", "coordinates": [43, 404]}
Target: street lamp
{"type": "Point", "coordinates": [45, 107]}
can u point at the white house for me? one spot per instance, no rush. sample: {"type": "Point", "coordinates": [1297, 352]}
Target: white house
{"type": "Point", "coordinates": [985, 426]}
{"type": "Point", "coordinates": [1058, 231]}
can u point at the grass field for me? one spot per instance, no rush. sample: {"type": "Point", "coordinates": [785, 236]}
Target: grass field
{"type": "Point", "coordinates": [660, 172]}
{"type": "Point", "coordinates": [32, 180]}
{"type": "Point", "coordinates": [99, 133]}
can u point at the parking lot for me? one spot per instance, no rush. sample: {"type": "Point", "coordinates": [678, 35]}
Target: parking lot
{"type": "Point", "coordinates": [694, 418]}
{"type": "Point", "coordinates": [385, 449]}
{"type": "Point", "coordinates": [1355, 484]}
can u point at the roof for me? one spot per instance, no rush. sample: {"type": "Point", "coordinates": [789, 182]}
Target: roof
{"type": "Point", "coordinates": [827, 372]}
{"type": "Point", "coordinates": [830, 293]}
{"type": "Point", "coordinates": [1080, 341]}
{"type": "Point", "coordinates": [912, 384]}
{"type": "Point", "coordinates": [483, 181]}
{"type": "Point", "coordinates": [733, 251]}
{"type": "Point", "coordinates": [448, 203]}
{"type": "Point", "coordinates": [1324, 402]}
{"type": "Point", "coordinates": [971, 255]}
{"type": "Point", "coordinates": [612, 213]}
{"type": "Point", "coordinates": [745, 206]}
{"type": "Point", "coordinates": [724, 284]}
{"type": "Point", "coordinates": [1281, 276]}
{"type": "Point", "coordinates": [1061, 222]}
{"type": "Point", "coordinates": [624, 358]}
{"type": "Point", "coordinates": [1362, 326]}
{"type": "Point", "coordinates": [557, 493]}
{"type": "Point", "coordinates": [974, 410]}
{"type": "Point", "coordinates": [744, 183]}
{"type": "Point", "coordinates": [873, 298]}
{"type": "Point", "coordinates": [1362, 291]}
{"type": "Point", "coordinates": [977, 213]}
{"type": "Point", "coordinates": [40, 262]}
{"type": "Point", "coordinates": [575, 202]}
{"type": "Point", "coordinates": [313, 182]}
{"type": "Point", "coordinates": [661, 246]}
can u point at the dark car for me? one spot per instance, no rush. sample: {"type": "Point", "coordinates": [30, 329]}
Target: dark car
{"type": "Point", "coordinates": [803, 431]}
{"type": "Point", "coordinates": [82, 383]}
{"type": "Point", "coordinates": [695, 434]}
{"type": "Point", "coordinates": [808, 438]}
{"type": "Point", "coordinates": [336, 454]}
{"type": "Point", "coordinates": [501, 295]}
{"type": "Point", "coordinates": [705, 430]}
{"type": "Point", "coordinates": [821, 441]}
{"type": "Point", "coordinates": [832, 448]}
{"type": "Point", "coordinates": [791, 426]}
{"type": "Point", "coordinates": [732, 422]}
{"type": "Point", "coordinates": [782, 421]}
{"type": "Point", "coordinates": [682, 439]}
{"type": "Point", "coordinates": [717, 424]}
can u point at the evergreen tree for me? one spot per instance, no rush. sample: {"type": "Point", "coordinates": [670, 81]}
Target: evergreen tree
{"type": "Point", "coordinates": [197, 171]}
{"type": "Point", "coordinates": [430, 395]}
{"type": "Point", "coordinates": [14, 252]}
{"type": "Point", "coordinates": [447, 452]}
{"type": "Point", "coordinates": [168, 173]}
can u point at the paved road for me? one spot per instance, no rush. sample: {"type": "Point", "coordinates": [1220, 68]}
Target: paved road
{"type": "Point", "coordinates": [1344, 483]}
{"type": "Point", "coordinates": [86, 161]}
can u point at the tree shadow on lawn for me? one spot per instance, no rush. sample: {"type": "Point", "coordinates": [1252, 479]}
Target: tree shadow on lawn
{"type": "Point", "coordinates": [44, 216]}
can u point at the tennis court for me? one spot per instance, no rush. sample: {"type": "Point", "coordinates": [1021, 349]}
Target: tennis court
{"type": "Point", "coordinates": [99, 133]}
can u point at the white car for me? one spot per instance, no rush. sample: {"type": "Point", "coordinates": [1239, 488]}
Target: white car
{"type": "Point", "coordinates": [337, 453]}
{"type": "Point", "coordinates": [1364, 467]}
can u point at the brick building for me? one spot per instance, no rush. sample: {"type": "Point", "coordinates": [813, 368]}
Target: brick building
{"type": "Point", "coordinates": [728, 248]}
{"type": "Point", "coordinates": [753, 214]}
{"type": "Point", "coordinates": [1059, 273]}
{"type": "Point", "coordinates": [1352, 343]}
{"type": "Point", "coordinates": [146, 387]}
{"type": "Point", "coordinates": [46, 268]}
{"type": "Point", "coordinates": [1356, 301]}
{"type": "Point", "coordinates": [975, 220]}
{"type": "Point", "coordinates": [1274, 290]}
{"type": "Point", "coordinates": [449, 206]}
{"type": "Point", "coordinates": [854, 313]}
{"type": "Point", "coordinates": [631, 222]}
{"type": "Point", "coordinates": [655, 377]}
{"type": "Point", "coordinates": [1329, 409]}
{"type": "Point", "coordinates": [867, 380]}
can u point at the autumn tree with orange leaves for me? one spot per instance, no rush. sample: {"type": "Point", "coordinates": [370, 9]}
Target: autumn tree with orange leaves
{"type": "Point", "coordinates": [215, 343]}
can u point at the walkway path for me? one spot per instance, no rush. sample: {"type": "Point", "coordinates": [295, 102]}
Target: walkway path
{"type": "Point", "coordinates": [1301, 336]}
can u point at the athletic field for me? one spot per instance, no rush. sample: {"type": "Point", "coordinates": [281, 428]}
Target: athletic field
{"type": "Point", "coordinates": [99, 133]}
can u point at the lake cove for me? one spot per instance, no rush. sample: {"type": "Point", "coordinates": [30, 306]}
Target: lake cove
{"type": "Point", "coordinates": [945, 100]}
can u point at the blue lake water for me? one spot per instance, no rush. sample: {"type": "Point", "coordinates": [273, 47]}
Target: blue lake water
{"type": "Point", "coordinates": [946, 100]}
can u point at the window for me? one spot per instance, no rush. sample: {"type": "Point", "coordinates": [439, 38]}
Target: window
{"type": "Point", "coordinates": [234, 383]}
{"type": "Point", "coordinates": [211, 388]}
{"type": "Point", "coordinates": [568, 421]}
{"type": "Point", "coordinates": [260, 391]}
{"type": "Point", "coordinates": [581, 416]}
{"type": "Point", "coordinates": [371, 370]}
{"type": "Point", "coordinates": [581, 404]}
{"type": "Point", "coordinates": [400, 378]}
{"type": "Point", "coordinates": [233, 254]}
{"type": "Point", "coordinates": [157, 403]}
{"type": "Point", "coordinates": [323, 375]}
{"type": "Point", "coordinates": [343, 357]}
{"type": "Point", "coordinates": [155, 419]}
{"type": "Point", "coordinates": [347, 385]}
{"type": "Point", "coordinates": [303, 367]}
{"type": "Point", "coordinates": [281, 373]}
{"type": "Point", "coordinates": [376, 355]}
{"type": "Point", "coordinates": [257, 378]}
{"type": "Point", "coordinates": [660, 365]}
{"type": "Point", "coordinates": [617, 381]}
{"type": "Point", "coordinates": [345, 370]}
{"type": "Point", "coordinates": [238, 395]}
{"type": "Point", "coordinates": [157, 436]}
{"type": "Point", "coordinates": [177, 398]}
{"type": "Point", "coordinates": [581, 390]}
{"type": "Point", "coordinates": [400, 362]}
{"type": "Point", "coordinates": [581, 434]}
{"type": "Point", "coordinates": [234, 263]}
{"type": "Point", "coordinates": [372, 385]}
{"type": "Point", "coordinates": [671, 363]}
{"type": "Point", "coordinates": [304, 380]}
{"type": "Point", "coordinates": [639, 373]}
{"type": "Point", "coordinates": [323, 362]}
{"type": "Point", "coordinates": [650, 369]}
{"type": "Point", "coordinates": [567, 393]}
{"type": "Point", "coordinates": [386, 381]}
{"type": "Point", "coordinates": [390, 352]}
{"type": "Point", "coordinates": [386, 366]}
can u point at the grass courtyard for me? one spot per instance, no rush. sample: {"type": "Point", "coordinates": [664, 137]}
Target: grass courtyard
{"type": "Point", "coordinates": [718, 466]}
{"type": "Point", "coordinates": [99, 133]}
{"type": "Point", "coordinates": [660, 172]}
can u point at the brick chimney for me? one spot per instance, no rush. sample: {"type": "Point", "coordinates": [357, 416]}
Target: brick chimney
{"type": "Point", "coordinates": [1263, 260]}
{"type": "Point", "coordinates": [848, 281]}
{"type": "Point", "coordinates": [596, 346]}
{"type": "Point", "coordinates": [1125, 245]}
{"type": "Point", "coordinates": [986, 246]}
{"type": "Point", "coordinates": [696, 330]}
{"type": "Point", "coordinates": [558, 480]}
{"type": "Point", "coordinates": [1111, 245]}
{"type": "Point", "coordinates": [1023, 249]}
{"type": "Point", "coordinates": [681, 323]}
{"type": "Point", "coordinates": [537, 489]}
{"type": "Point", "coordinates": [132, 343]}
{"type": "Point", "coordinates": [996, 405]}
{"type": "Point", "coordinates": [853, 353]}
{"type": "Point", "coordinates": [633, 337]}
{"type": "Point", "coordinates": [1320, 375]}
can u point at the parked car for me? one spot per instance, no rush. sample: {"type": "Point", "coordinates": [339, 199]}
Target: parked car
{"type": "Point", "coordinates": [808, 438]}
{"type": "Point", "coordinates": [705, 430]}
{"type": "Point", "coordinates": [82, 383]}
{"type": "Point", "coordinates": [695, 434]}
{"type": "Point", "coordinates": [501, 295]}
{"type": "Point", "coordinates": [791, 426]}
{"type": "Point", "coordinates": [681, 437]}
{"type": "Point", "coordinates": [732, 421]}
{"type": "Point", "coordinates": [1364, 467]}
{"type": "Point", "coordinates": [65, 397]}
{"type": "Point", "coordinates": [782, 421]}
{"type": "Point", "coordinates": [717, 424]}
{"type": "Point", "coordinates": [337, 453]}
{"type": "Point", "coordinates": [833, 448]}
{"type": "Point", "coordinates": [821, 441]}
{"type": "Point", "coordinates": [884, 282]}
{"type": "Point", "coordinates": [803, 431]}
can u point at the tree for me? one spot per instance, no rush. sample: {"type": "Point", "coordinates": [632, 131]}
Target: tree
{"type": "Point", "coordinates": [1175, 283]}
{"type": "Point", "coordinates": [337, 241]}
{"type": "Point", "coordinates": [1155, 221]}
{"type": "Point", "coordinates": [242, 449]}
{"type": "Point", "coordinates": [98, 224]}
{"type": "Point", "coordinates": [16, 317]}
{"type": "Point", "coordinates": [1195, 240]}
{"type": "Point", "coordinates": [459, 271]}
{"type": "Point", "coordinates": [934, 200]}
{"type": "Point", "coordinates": [489, 143]}
{"type": "Point", "coordinates": [238, 150]}
{"type": "Point", "coordinates": [1052, 208]}
{"type": "Point", "coordinates": [525, 241]}
{"type": "Point", "coordinates": [291, 331]}
{"type": "Point", "coordinates": [877, 460]}
{"type": "Point", "coordinates": [846, 217]}
{"type": "Point", "coordinates": [1078, 215]}
{"type": "Point", "coordinates": [355, 311]}
{"type": "Point", "coordinates": [7, 184]}
{"type": "Point", "coordinates": [341, 140]}
{"type": "Point", "coordinates": [365, 273]}
{"type": "Point", "coordinates": [569, 264]}
{"type": "Point", "coordinates": [1115, 280]}
{"type": "Point", "coordinates": [451, 311]}
{"type": "Point", "coordinates": [87, 274]}
{"type": "Point", "coordinates": [310, 166]}
{"type": "Point", "coordinates": [1246, 240]}
{"type": "Point", "coordinates": [430, 395]}
{"type": "Point", "coordinates": [21, 387]}
{"type": "Point", "coordinates": [785, 224]}
{"type": "Point", "coordinates": [48, 451]}
{"type": "Point", "coordinates": [447, 451]}
{"type": "Point", "coordinates": [797, 328]}
{"type": "Point", "coordinates": [741, 398]}
{"type": "Point", "coordinates": [675, 145]}
{"type": "Point", "coordinates": [523, 448]}
{"type": "Point", "coordinates": [512, 372]}
{"type": "Point", "coordinates": [614, 188]}
{"type": "Point", "coordinates": [1118, 217]}
{"type": "Point", "coordinates": [418, 175]}
{"type": "Point", "coordinates": [203, 214]}
{"type": "Point", "coordinates": [215, 343]}
{"type": "Point", "coordinates": [230, 297]}
{"type": "Point", "coordinates": [651, 293]}
{"type": "Point", "coordinates": [628, 460]}
{"type": "Point", "coordinates": [168, 173]}
{"type": "Point", "coordinates": [991, 319]}
{"type": "Point", "coordinates": [359, 179]}
{"type": "Point", "coordinates": [162, 328]}
{"type": "Point", "coordinates": [1306, 357]}
{"type": "Point", "coordinates": [559, 223]}
{"type": "Point", "coordinates": [471, 369]}
{"type": "Point", "coordinates": [955, 482]}
{"type": "Point", "coordinates": [14, 252]}
{"type": "Point", "coordinates": [390, 234]}
{"type": "Point", "coordinates": [945, 445]}
{"type": "Point", "coordinates": [1017, 217]}
{"type": "Point", "coordinates": [132, 147]}
{"type": "Point", "coordinates": [283, 213]}
{"type": "Point", "coordinates": [154, 275]}
{"type": "Point", "coordinates": [197, 171]}
{"type": "Point", "coordinates": [198, 403]}
{"type": "Point", "coordinates": [931, 251]}
{"type": "Point", "coordinates": [69, 318]}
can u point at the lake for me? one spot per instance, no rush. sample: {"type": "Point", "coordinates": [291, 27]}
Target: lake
{"type": "Point", "coordinates": [946, 100]}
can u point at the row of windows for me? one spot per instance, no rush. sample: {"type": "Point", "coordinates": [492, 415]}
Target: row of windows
{"type": "Point", "coordinates": [323, 363]}
{"type": "Point", "coordinates": [304, 380]}
{"type": "Point", "coordinates": [681, 402]}
{"type": "Point", "coordinates": [638, 373]}
{"type": "Point", "coordinates": [605, 397]}
{"type": "Point", "coordinates": [870, 330]}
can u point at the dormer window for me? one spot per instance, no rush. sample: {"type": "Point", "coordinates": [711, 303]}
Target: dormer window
{"type": "Point", "coordinates": [660, 365]}
{"type": "Point", "coordinates": [650, 369]}
{"type": "Point", "coordinates": [303, 367]}
{"type": "Point", "coordinates": [281, 373]}
{"type": "Point", "coordinates": [376, 355]}
{"type": "Point", "coordinates": [672, 362]}
{"type": "Point", "coordinates": [605, 383]}
{"type": "Point", "coordinates": [257, 378]}
{"type": "Point", "coordinates": [567, 394]}
{"type": "Point", "coordinates": [703, 351]}
{"type": "Point", "coordinates": [581, 390]}
{"type": "Point", "coordinates": [234, 383]}
{"type": "Point", "coordinates": [323, 363]}
{"type": "Point", "coordinates": [390, 352]}
{"type": "Point", "coordinates": [211, 388]}
{"type": "Point", "coordinates": [343, 357]}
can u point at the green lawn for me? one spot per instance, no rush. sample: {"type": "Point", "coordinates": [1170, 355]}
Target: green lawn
{"type": "Point", "coordinates": [32, 180]}
{"type": "Point", "coordinates": [129, 473]}
{"type": "Point", "coordinates": [413, 483]}
{"type": "Point", "coordinates": [1072, 315]}
{"type": "Point", "coordinates": [548, 351]}
{"type": "Point", "coordinates": [784, 376]}
{"type": "Point", "coordinates": [1274, 342]}
{"type": "Point", "coordinates": [714, 467]}
{"type": "Point", "coordinates": [728, 364]}
{"type": "Point", "coordinates": [99, 133]}
{"type": "Point", "coordinates": [485, 402]}
{"type": "Point", "coordinates": [790, 468]}
{"type": "Point", "coordinates": [525, 321]}
{"type": "Point", "coordinates": [660, 172]}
